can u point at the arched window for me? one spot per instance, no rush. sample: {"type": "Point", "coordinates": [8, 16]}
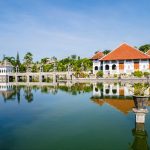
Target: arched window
{"type": "Point", "coordinates": [96, 89]}
{"type": "Point", "coordinates": [114, 67]}
{"type": "Point", "coordinates": [107, 67]}
{"type": "Point", "coordinates": [96, 67]}
{"type": "Point", "coordinates": [107, 91]}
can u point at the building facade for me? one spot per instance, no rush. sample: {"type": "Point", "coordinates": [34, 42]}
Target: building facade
{"type": "Point", "coordinates": [123, 60]}
{"type": "Point", "coordinates": [5, 69]}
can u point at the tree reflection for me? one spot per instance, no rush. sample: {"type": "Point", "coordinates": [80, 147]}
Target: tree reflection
{"type": "Point", "coordinates": [140, 137]}
{"type": "Point", "coordinates": [139, 132]}
{"type": "Point", "coordinates": [28, 94]}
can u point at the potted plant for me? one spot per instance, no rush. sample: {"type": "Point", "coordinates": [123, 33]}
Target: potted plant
{"type": "Point", "coordinates": [141, 97]}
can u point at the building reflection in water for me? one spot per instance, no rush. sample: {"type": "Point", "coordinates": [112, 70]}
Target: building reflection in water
{"type": "Point", "coordinates": [10, 92]}
{"type": "Point", "coordinates": [7, 91]}
{"type": "Point", "coordinates": [116, 95]}
{"type": "Point", "coordinates": [121, 98]}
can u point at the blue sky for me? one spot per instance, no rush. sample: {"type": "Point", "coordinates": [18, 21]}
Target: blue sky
{"type": "Point", "coordinates": [64, 27]}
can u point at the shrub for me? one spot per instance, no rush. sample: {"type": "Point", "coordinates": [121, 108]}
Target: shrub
{"type": "Point", "coordinates": [99, 74]}
{"type": "Point", "coordinates": [140, 88]}
{"type": "Point", "coordinates": [115, 75]}
{"type": "Point", "coordinates": [79, 74]}
{"type": "Point", "coordinates": [146, 74]}
{"type": "Point", "coordinates": [138, 74]}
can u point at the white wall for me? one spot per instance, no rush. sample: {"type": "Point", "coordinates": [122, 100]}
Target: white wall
{"type": "Point", "coordinates": [96, 91]}
{"type": "Point", "coordinates": [6, 70]}
{"type": "Point", "coordinates": [144, 65]}
{"type": "Point", "coordinates": [110, 71]}
{"type": "Point", "coordinates": [6, 87]}
{"type": "Point", "coordinates": [128, 67]}
{"type": "Point", "coordinates": [96, 63]}
{"type": "Point", "coordinates": [110, 87]}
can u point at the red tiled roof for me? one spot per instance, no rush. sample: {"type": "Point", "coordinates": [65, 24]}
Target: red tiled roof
{"type": "Point", "coordinates": [125, 52]}
{"type": "Point", "coordinates": [98, 55]}
{"type": "Point", "coordinates": [122, 105]}
{"type": "Point", "coordinates": [148, 52]}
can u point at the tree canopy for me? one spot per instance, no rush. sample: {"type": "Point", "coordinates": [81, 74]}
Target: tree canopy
{"type": "Point", "coordinates": [105, 52]}
{"type": "Point", "coordinates": [28, 58]}
{"type": "Point", "coordinates": [144, 48]}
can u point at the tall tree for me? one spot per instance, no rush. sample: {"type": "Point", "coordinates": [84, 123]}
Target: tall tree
{"type": "Point", "coordinates": [144, 48]}
{"type": "Point", "coordinates": [28, 58]}
{"type": "Point", "coordinates": [17, 59]}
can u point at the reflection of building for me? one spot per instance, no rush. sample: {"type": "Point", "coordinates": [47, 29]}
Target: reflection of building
{"type": "Point", "coordinates": [123, 60]}
{"type": "Point", "coordinates": [96, 91]}
{"type": "Point", "coordinates": [117, 96]}
{"type": "Point", "coordinates": [123, 105]}
{"type": "Point", "coordinates": [6, 90]}
{"type": "Point", "coordinates": [112, 89]}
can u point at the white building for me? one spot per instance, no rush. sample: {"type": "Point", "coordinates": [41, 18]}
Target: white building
{"type": "Point", "coordinates": [96, 62]}
{"type": "Point", "coordinates": [5, 69]}
{"type": "Point", "coordinates": [123, 60]}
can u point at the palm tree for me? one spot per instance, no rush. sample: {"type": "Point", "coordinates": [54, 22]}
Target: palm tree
{"type": "Point", "coordinates": [28, 58]}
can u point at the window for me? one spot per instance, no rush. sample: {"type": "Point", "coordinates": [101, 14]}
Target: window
{"type": "Point", "coordinates": [107, 67]}
{"type": "Point", "coordinates": [107, 91]}
{"type": "Point", "coordinates": [96, 67]}
{"type": "Point", "coordinates": [114, 67]}
{"type": "Point", "coordinates": [96, 89]}
{"type": "Point", "coordinates": [114, 91]}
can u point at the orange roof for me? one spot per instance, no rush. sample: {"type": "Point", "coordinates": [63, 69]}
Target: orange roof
{"type": "Point", "coordinates": [125, 52]}
{"type": "Point", "coordinates": [122, 105]}
{"type": "Point", "coordinates": [148, 52]}
{"type": "Point", "coordinates": [98, 55]}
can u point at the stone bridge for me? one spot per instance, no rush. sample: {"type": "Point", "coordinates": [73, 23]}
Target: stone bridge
{"type": "Point", "coordinates": [41, 76]}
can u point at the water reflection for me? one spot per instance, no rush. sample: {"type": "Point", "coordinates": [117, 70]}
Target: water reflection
{"type": "Point", "coordinates": [120, 97]}
{"type": "Point", "coordinates": [103, 91]}
{"type": "Point", "coordinates": [117, 97]}
{"type": "Point", "coordinates": [140, 134]}
{"type": "Point", "coordinates": [7, 91]}
{"type": "Point", "coordinates": [140, 137]}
